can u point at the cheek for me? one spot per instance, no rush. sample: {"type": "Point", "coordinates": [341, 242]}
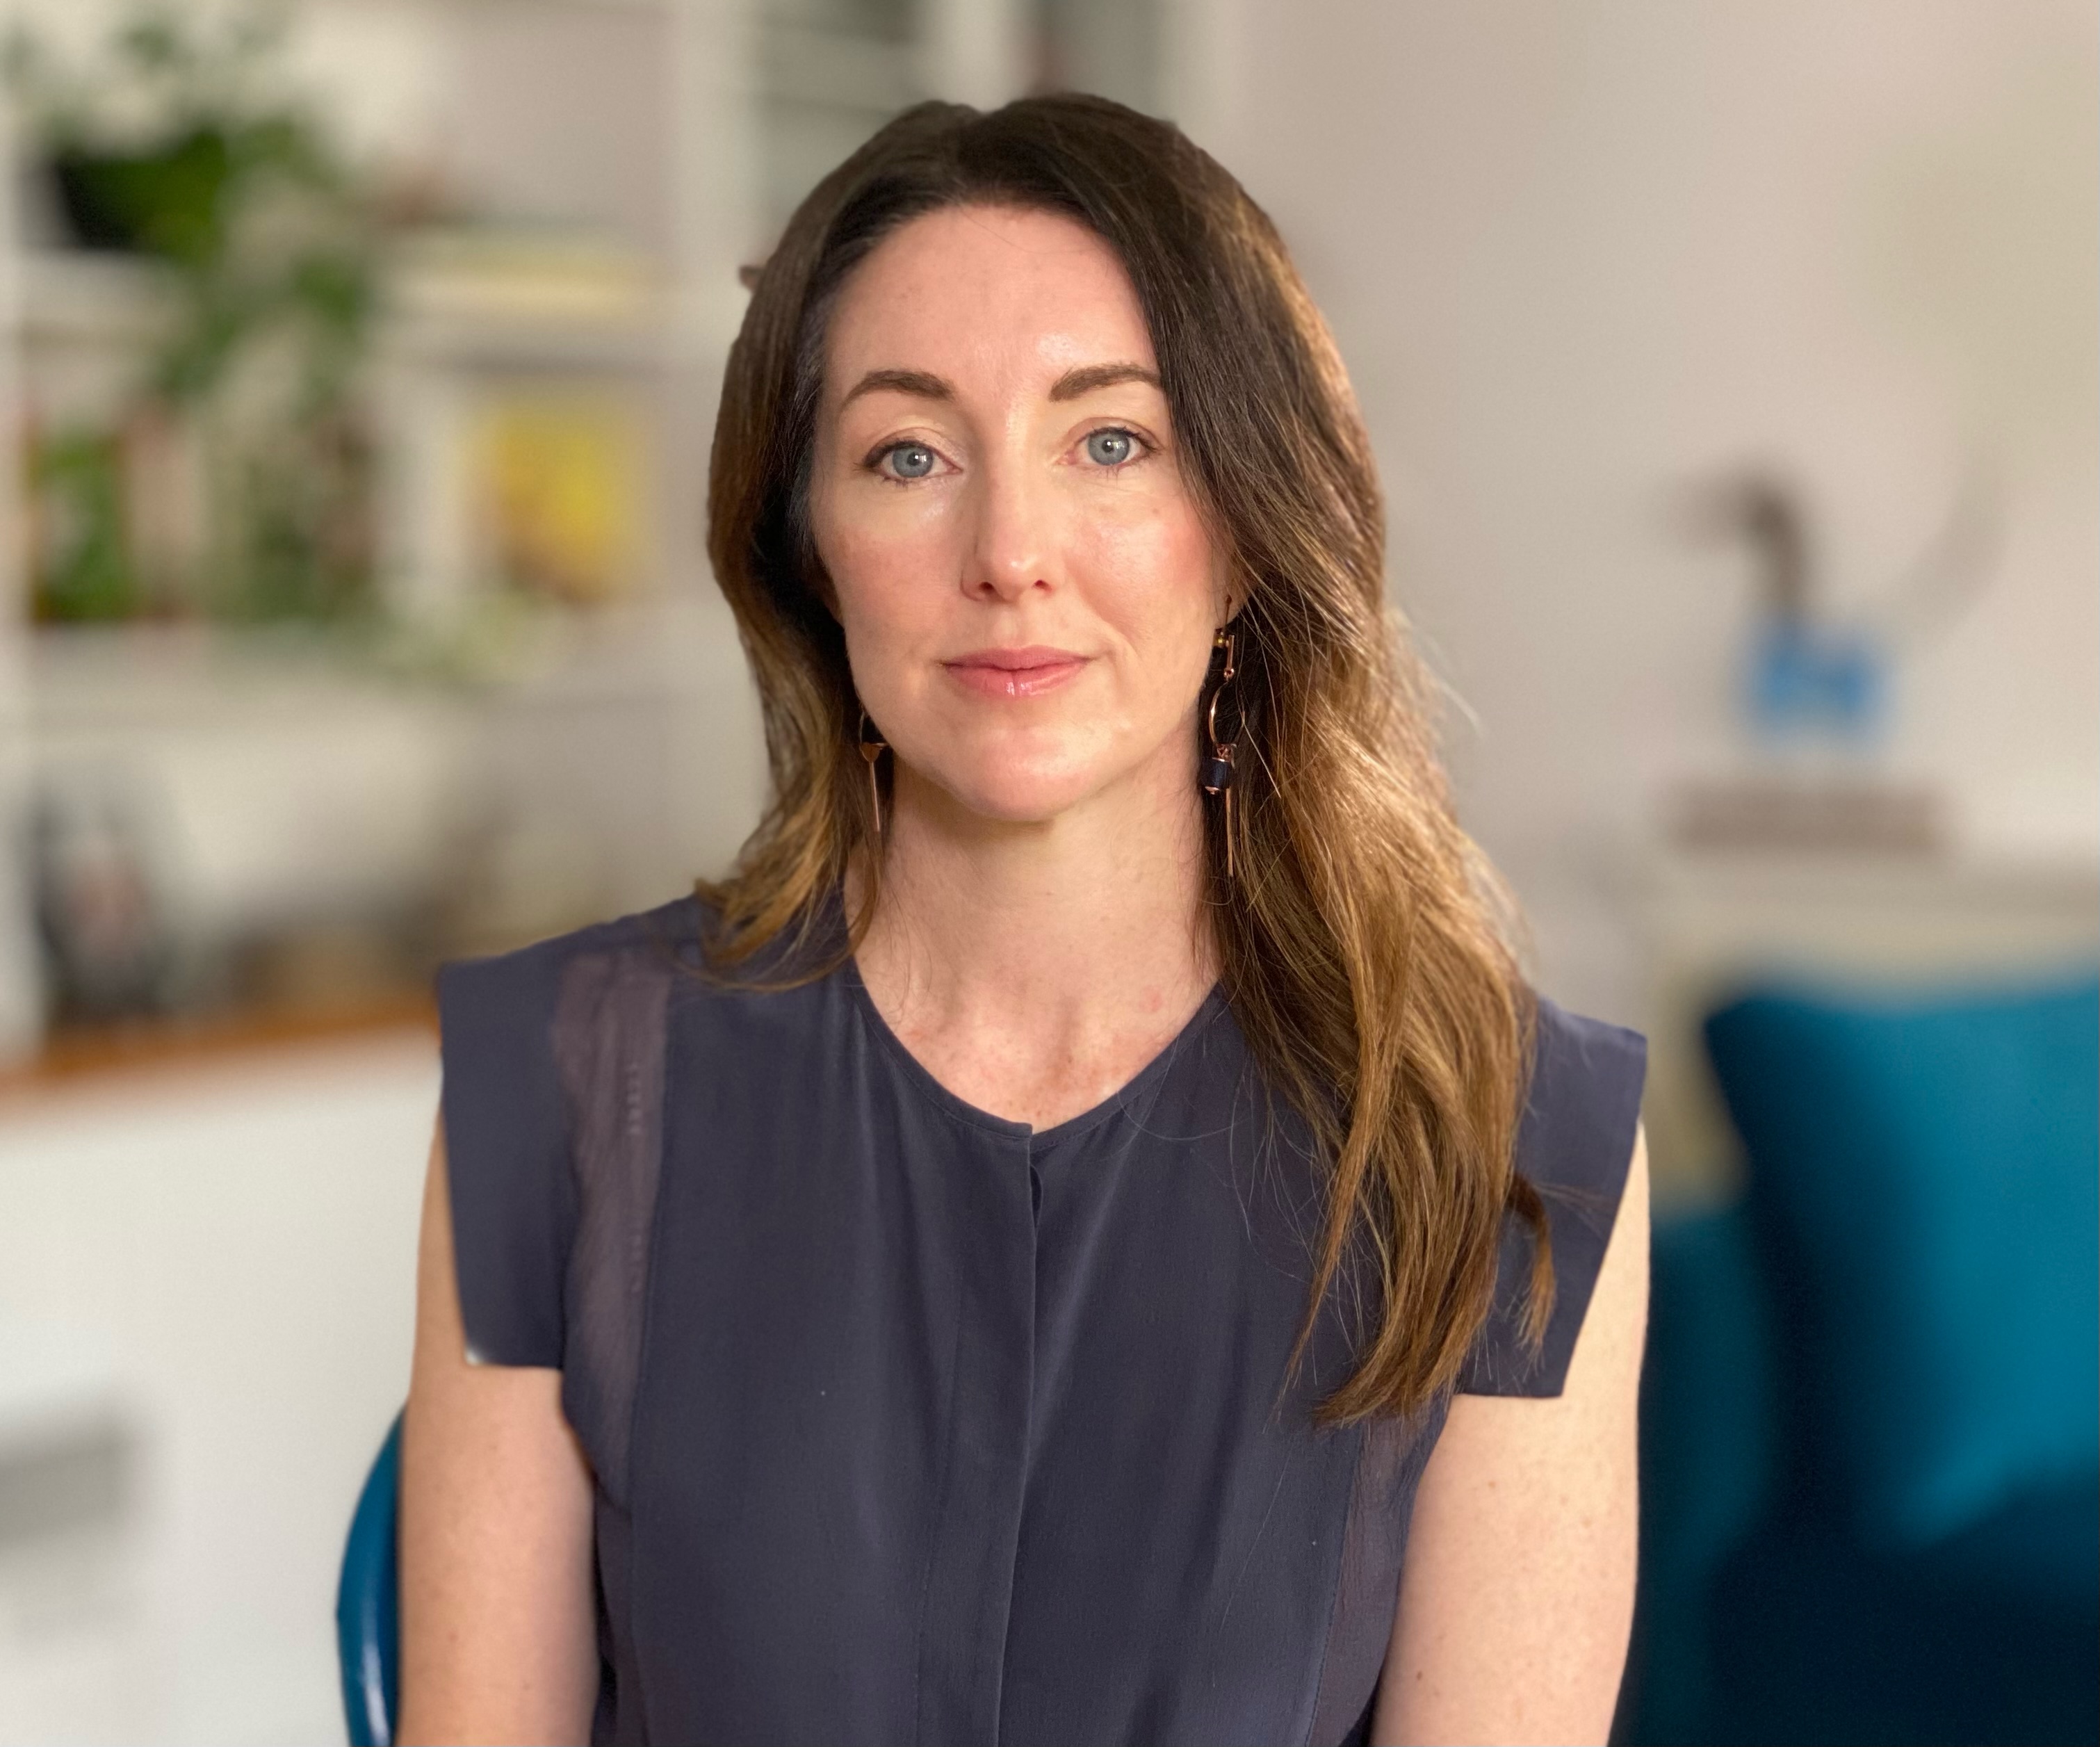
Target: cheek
{"type": "Point", "coordinates": [1154, 575]}
{"type": "Point", "coordinates": [877, 554]}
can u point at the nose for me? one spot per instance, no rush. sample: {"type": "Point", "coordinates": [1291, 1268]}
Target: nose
{"type": "Point", "coordinates": [1010, 551]}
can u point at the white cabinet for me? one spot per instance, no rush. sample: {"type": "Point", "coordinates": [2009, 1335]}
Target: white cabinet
{"type": "Point", "coordinates": [206, 1293]}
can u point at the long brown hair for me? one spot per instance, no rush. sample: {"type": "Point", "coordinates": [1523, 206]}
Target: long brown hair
{"type": "Point", "coordinates": [1364, 942]}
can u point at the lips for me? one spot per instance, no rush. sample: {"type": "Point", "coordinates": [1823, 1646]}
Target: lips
{"type": "Point", "coordinates": [1015, 672]}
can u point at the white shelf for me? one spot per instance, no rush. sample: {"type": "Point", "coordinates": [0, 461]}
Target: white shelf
{"type": "Point", "coordinates": [150, 676]}
{"type": "Point", "coordinates": [454, 308]}
{"type": "Point", "coordinates": [83, 297]}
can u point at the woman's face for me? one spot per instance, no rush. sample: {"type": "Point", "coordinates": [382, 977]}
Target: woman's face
{"type": "Point", "coordinates": [1028, 592]}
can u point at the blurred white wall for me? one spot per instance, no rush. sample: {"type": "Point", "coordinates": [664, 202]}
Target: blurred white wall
{"type": "Point", "coordinates": [1577, 251]}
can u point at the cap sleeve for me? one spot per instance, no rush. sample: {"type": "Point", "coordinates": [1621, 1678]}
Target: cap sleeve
{"type": "Point", "coordinates": [1574, 1144]}
{"type": "Point", "coordinates": [506, 1153]}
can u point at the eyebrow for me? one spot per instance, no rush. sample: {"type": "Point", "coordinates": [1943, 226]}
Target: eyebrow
{"type": "Point", "coordinates": [1075, 383]}
{"type": "Point", "coordinates": [1071, 386]}
{"type": "Point", "coordinates": [922, 383]}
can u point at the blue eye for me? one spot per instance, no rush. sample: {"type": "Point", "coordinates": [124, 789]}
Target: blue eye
{"type": "Point", "coordinates": [1111, 449]}
{"type": "Point", "coordinates": [911, 461]}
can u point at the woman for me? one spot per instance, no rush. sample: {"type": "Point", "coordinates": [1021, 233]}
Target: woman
{"type": "Point", "coordinates": [1083, 1235]}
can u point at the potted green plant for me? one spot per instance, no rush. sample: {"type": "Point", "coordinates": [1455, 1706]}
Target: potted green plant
{"type": "Point", "coordinates": [184, 146]}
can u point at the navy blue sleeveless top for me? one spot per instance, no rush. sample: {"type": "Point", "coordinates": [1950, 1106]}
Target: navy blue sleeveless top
{"type": "Point", "coordinates": [908, 1424]}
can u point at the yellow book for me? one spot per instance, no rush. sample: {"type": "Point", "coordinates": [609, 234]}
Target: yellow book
{"type": "Point", "coordinates": [559, 479]}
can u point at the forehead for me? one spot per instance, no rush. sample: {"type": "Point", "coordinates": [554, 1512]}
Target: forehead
{"type": "Point", "coordinates": [989, 295]}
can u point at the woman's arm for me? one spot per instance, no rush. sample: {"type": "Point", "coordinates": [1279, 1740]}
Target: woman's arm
{"type": "Point", "coordinates": [498, 1622]}
{"type": "Point", "coordinates": [1516, 1598]}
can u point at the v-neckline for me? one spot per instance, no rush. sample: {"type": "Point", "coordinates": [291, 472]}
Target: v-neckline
{"type": "Point", "coordinates": [962, 1110]}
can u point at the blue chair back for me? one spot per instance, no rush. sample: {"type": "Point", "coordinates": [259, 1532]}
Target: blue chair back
{"type": "Point", "coordinates": [367, 1632]}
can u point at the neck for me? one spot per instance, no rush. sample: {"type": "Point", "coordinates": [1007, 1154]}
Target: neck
{"type": "Point", "coordinates": [1054, 935]}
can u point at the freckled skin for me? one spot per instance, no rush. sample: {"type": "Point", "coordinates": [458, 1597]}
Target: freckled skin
{"type": "Point", "coordinates": [1014, 533]}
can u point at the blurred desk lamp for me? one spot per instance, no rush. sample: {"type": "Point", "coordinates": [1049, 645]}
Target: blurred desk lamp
{"type": "Point", "coordinates": [1815, 687]}
{"type": "Point", "coordinates": [1808, 671]}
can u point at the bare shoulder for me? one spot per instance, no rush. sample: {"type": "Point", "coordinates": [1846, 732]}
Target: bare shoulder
{"type": "Point", "coordinates": [497, 1634]}
{"type": "Point", "coordinates": [1517, 1597]}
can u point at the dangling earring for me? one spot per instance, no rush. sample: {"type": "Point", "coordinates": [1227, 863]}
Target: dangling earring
{"type": "Point", "coordinates": [870, 752]}
{"type": "Point", "coordinates": [1217, 778]}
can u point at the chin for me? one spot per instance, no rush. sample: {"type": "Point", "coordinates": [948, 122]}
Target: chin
{"type": "Point", "coordinates": [1015, 774]}
{"type": "Point", "coordinates": [1016, 779]}
{"type": "Point", "coordinates": [1017, 795]}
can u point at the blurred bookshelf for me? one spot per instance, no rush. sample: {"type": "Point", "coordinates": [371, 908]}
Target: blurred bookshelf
{"type": "Point", "coordinates": [539, 718]}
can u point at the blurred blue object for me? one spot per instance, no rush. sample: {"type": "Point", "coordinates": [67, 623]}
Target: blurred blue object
{"type": "Point", "coordinates": [1871, 1452]}
{"type": "Point", "coordinates": [367, 1624]}
{"type": "Point", "coordinates": [1927, 1171]}
{"type": "Point", "coordinates": [1809, 677]}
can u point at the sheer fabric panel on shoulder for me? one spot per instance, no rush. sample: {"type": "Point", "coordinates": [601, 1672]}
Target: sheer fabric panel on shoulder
{"type": "Point", "coordinates": [553, 1105]}
{"type": "Point", "coordinates": [609, 1043]}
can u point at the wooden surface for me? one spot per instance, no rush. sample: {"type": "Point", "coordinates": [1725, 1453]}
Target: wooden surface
{"type": "Point", "coordinates": [75, 1059]}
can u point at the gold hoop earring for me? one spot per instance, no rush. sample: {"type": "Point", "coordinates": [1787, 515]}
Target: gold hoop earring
{"type": "Point", "coordinates": [1217, 777]}
{"type": "Point", "coordinates": [871, 751]}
